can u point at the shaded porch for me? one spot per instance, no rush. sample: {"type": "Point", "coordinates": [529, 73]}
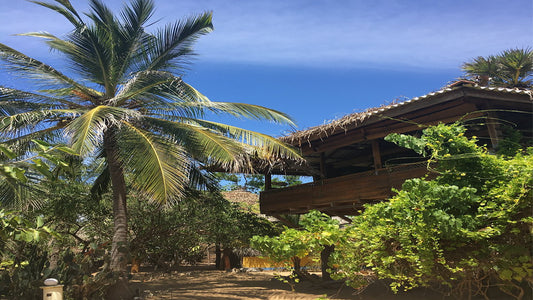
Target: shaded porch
{"type": "Point", "coordinates": [341, 196]}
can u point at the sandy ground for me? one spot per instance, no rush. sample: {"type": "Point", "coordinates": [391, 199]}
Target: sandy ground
{"type": "Point", "coordinates": [206, 283]}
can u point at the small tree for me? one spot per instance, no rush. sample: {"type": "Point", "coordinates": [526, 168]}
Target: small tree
{"type": "Point", "coordinates": [318, 231]}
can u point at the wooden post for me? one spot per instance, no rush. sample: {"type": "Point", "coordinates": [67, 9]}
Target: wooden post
{"type": "Point", "coordinates": [323, 165]}
{"type": "Point", "coordinates": [493, 130]}
{"type": "Point", "coordinates": [268, 181]}
{"type": "Point", "coordinates": [377, 155]}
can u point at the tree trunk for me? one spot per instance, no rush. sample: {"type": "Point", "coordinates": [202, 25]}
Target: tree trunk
{"type": "Point", "coordinates": [226, 258]}
{"type": "Point", "coordinates": [119, 247]}
{"type": "Point", "coordinates": [235, 260]}
{"type": "Point", "coordinates": [324, 259]}
{"type": "Point", "coordinates": [53, 256]}
{"type": "Point", "coordinates": [218, 254]}
{"type": "Point", "coordinates": [296, 265]}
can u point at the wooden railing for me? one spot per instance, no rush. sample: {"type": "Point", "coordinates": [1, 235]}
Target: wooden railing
{"type": "Point", "coordinates": [341, 195]}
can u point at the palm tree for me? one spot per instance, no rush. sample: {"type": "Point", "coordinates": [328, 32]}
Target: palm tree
{"type": "Point", "coordinates": [128, 106]}
{"type": "Point", "coordinates": [511, 68]}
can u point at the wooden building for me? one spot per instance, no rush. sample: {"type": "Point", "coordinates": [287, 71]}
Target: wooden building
{"type": "Point", "coordinates": [352, 164]}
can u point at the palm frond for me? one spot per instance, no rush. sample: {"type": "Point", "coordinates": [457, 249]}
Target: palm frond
{"type": "Point", "coordinates": [160, 168]}
{"type": "Point", "coordinates": [182, 100]}
{"type": "Point", "coordinates": [250, 111]}
{"type": "Point", "coordinates": [161, 92]}
{"type": "Point", "coordinates": [23, 100]}
{"type": "Point", "coordinates": [201, 142]}
{"type": "Point", "coordinates": [14, 124]}
{"type": "Point", "coordinates": [136, 15]}
{"type": "Point", "coordinates": [67, 11]}
{"type": "Point", "coordinates": [90, 53]}
{"type": "Point", "coordinates": [517, 66]}
{"type": "Point", "coordinates": [199, 179]}
{"type": "Point", "coordinates": [38, 70]}
{"type": "Point", "coordinates": [50, 134]}
{"type": "Point", "coordinates": [173, 43]}
{"type": "Point", "coordinates": [86, 131]}
{"type": "Point", "coordinates": [54, 42]}
{"type": "Point", "coordinates": [141, 87]}
{"type": "Point", "coordinates": [481, 66]}
{"type": "Point", "coordinates": [512, 68]}
{"type": "Point", "coordinates": [223, 145]}
{"type": "Point", "coordinates": [101, 14]}
{"type": "Point", "coordinates": [101, 184]}
{"type": "Point", "coordinates": [17, 196]}
{"type": "Point", "coordinates": [133, 36]}
{"type": "Point", "coordinates": [261, 145]}
{"type": "Point", "coordinates": [181, 92]}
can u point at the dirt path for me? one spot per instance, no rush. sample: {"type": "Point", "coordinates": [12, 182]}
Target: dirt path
{"type": "Point", "coordinates": [205, 283]}
{"type": "Point", "coordinates": [209, 284]}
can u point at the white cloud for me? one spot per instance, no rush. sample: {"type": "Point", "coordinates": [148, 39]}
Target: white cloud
{"type": "Point", "coordinates": [348, 33]}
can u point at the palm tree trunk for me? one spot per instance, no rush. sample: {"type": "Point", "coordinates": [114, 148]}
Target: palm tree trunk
{"type": "Point", "coordinates": [119, 248]}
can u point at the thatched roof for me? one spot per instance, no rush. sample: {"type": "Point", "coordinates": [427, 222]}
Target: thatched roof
{"type": "Point", "coordinates": [241, 196]}
{"type": "Point", "coordinates": [356, 119]}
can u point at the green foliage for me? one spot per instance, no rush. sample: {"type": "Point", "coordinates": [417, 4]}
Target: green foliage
{"type": "Point", "coordinates": [456, 158]}
{"type": "Point", "coordinates": [511, 143]}
{"type": "Point", "coordinates": [128, 106]}
{"type": "Point", "coordinates": [317, 230]}
{"type": "Point", "coordinates": [468, 228]}
{"type": "Point", "coordinates": [79, 257]}
{"type": "Point", "coordinates": [401, 239]}
{"type": "Point", "coordinates": [169, 236]}
{"type": "Point", "coordinates": [20, 173]}
{"type": "Point", "coordinates": [14, 227]}
{"type": "Point", "coordinates": [23, 262]}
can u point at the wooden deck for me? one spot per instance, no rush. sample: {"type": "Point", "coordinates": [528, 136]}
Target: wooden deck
{"type": "Point", "coordinates": [343, 195]}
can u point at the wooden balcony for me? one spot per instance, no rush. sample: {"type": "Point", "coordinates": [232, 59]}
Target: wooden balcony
{"type": "Point", "coordinates": [343, 195]}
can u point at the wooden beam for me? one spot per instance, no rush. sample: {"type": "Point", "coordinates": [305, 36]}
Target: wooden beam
{"type": "Point", "coordinates": [492, 126]}
{"type": "Point", "coordinates": [268, 181]}
{"type": "Point", "coordinates": [376, 154]}
{"type": "Point", "coordinates": [361, 159]}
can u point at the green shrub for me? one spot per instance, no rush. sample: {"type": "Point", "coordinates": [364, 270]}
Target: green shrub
{"type": "Point", "coordinates": [469, 228]}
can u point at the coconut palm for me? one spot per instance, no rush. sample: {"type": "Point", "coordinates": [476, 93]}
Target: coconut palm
{"type": "Point", "coordinates": [511, 68]}
{"type": "Point", "coordinates": [127, 105]}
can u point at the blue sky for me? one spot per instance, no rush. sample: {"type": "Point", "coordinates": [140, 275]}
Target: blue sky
{"type": "Point", "coordinates": [316, 60]}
